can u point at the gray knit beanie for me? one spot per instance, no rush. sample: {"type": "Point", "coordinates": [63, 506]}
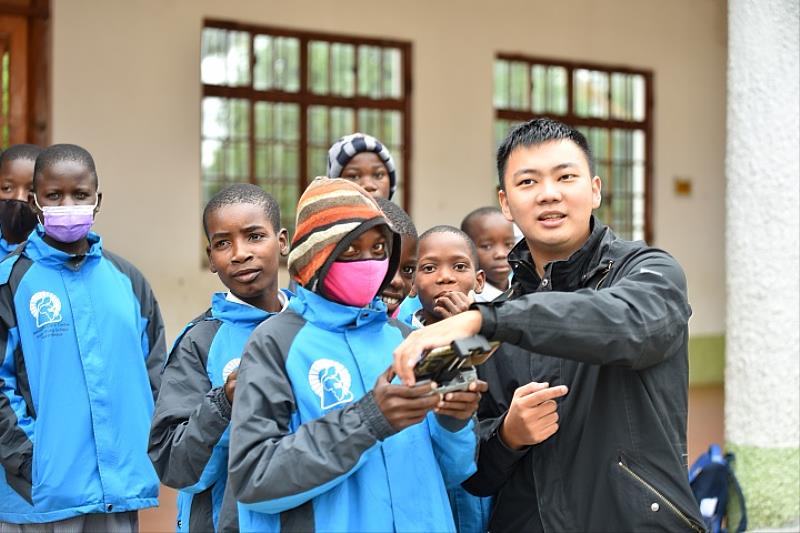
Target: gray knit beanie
{"type": "Point", "coordinates": [348, 146]}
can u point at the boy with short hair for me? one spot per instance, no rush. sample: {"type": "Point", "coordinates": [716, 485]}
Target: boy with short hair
{"type": "Point", "coordinates": [363, 159]}
{"type": "Point", "coordinates": [83, 345]}
{"type": "Point", "coordinates": [313, 448]}
{"type": "Point", "coordinates": [17, 219]}
{"type": "Point", "coordinates": [189, 434]}
{"type": "Point", "coordinates": [494, 238]}
{"type": "Point", "coordinates": [447, 278]}
{"type": "Point", "coordinates": [401, 285]}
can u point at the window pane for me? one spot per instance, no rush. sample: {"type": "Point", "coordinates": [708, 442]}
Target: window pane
{"type": "Point", "coordinates": [520, 85]}
{"type": "Point", "coordinates": [369, 121]}
{"type": "Point", "coordinates": [391, 133]}
{"type": "Point", "coordinates": [342, 123]}
{"type": "Point", "coordinates": [317, 162]}
{"type": "Point", "coordinates": [591, 93]}
{"type": "Point", "coordinates": [277, 63]}
{"type": "Point", "coordinates": [318, 71]}
{"type": "Point", "coordinates": [318, 125]}
{"type": "Point", "coordinates": [539, 89]}
{"type": "Point", "coordinates": [557, 90]}
{"type": "Point", "coordinates": [265, 59]}
{"type": "Point", "coordinates": [342, 65]}
{"type": "Point", "coordinates": [264, 121]}
{"type": "Point", "coordinates": [225, 57]}
{"type": "Point", "coordinates": [392, 73]}
{"type": "Point", "coordinates": [369, 71]}
{"type": "Point", "coordinates": [501, 84]}
{"type": "Point", "coordinates": [639, 97]}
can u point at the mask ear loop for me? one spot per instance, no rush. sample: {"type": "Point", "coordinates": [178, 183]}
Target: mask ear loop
{"type": "Point", "coordinates": [41, 210]}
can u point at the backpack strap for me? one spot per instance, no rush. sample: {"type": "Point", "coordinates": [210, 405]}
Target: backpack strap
{"type": "Point", "coordinates": [737, 489]}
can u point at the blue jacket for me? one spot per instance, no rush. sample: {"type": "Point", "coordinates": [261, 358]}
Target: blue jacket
{"type": "Point", "coordinates": [82, 347]}
{"type": "Point", "coordinates": [311, 450]}
{"type": "Point", "coordinates": [189, 435]}
{"type": "Point", "coordinates": [470, 513]}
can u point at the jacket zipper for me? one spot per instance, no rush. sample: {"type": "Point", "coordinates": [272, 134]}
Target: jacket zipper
{"type": "Point", "coordinates": [605, 274]}
{"type": "Point", "coordinates": [661, 497]}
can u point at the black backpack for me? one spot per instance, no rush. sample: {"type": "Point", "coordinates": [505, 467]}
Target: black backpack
{"type": "Point", "coordinates": [712, 480]}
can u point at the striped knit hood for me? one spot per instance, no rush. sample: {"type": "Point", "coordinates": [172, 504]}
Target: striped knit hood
{"type": "Point", "coordinates": [331, 214]}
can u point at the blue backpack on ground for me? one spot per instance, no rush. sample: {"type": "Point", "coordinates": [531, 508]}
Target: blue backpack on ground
{"type": "Point", "coordinates": [711, 478]}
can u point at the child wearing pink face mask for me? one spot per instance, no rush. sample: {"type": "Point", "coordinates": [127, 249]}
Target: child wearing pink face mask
{"type": "Point", "coordinates": [311, 444]}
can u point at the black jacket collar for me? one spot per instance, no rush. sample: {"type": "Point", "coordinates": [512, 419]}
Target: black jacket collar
{"type": "Point", "coordinates": [564, 275]}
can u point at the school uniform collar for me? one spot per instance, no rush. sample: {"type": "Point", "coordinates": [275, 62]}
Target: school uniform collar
{"type": "Point", "coordinates": [489, 293]}
{"type": "Point", "coordinates": [333, 316]}
{"type": "Point", "coordinates": [40, 252]}
{"type": "Point", "coordinates": [417, 320]}
{"type": "Point", "coordinates": [563, 275]}
{"type": "Point", "coordinates": [227, 307]}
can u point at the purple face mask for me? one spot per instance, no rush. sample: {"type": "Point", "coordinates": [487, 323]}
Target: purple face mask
{"type": "Point", "coordinates": [67, 223]}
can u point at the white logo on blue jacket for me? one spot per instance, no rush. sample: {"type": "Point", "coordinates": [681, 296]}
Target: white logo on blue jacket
{"type": "Point", "coordinates": [45, 308]}
{"type": "Point", "coordinates": [330, 380]}
{"type": "Point", "coordinates": [229, 367]}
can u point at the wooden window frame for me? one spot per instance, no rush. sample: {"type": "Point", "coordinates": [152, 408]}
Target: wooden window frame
{"type": "Point", "coordinates": [304, 98]}
{"type": "Point", "coordinates": [574, 120]}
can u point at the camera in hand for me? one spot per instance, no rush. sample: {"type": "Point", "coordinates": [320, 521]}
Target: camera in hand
{"type": "Point", "coordinates": [453, 367]}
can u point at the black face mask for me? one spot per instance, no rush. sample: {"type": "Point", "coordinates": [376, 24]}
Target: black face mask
{"type": "Point", "coordinates": [17, 220]}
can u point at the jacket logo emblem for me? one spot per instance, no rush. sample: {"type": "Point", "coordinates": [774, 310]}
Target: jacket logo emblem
{"type": "Point", "coordinates": [330, 380]}
{"type": "Point", "coordinates": [229, 367]}
{"type": "Point", "coordinates": [45, 308]}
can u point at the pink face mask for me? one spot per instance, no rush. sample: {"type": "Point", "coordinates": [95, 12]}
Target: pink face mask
{"type": "Point", "coordinates": [355, 282]}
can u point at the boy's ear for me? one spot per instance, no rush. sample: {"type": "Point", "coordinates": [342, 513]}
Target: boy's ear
{"type": "Point", "coordinates": [211, 266]}
{"type": "Point", "coordinates": [283, 242]}
{"type": "Point", "coordinates": [99, 201]}
{"type": "Point", "coordinates": [480, 280]}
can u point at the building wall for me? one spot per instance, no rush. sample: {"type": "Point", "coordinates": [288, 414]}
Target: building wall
{"type": "Point", "coordinates": [126, 85]}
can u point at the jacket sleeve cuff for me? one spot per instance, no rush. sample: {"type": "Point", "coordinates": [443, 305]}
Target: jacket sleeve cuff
{"type": "Point", "coordinates": [373, 417]}
{"type": "Point", "coordinates": [451, 423]}
{"type": "Point", "coordinates": [502, 455]}
{"type": "Point", "coordinates": [488, 318]}
{"type": "Point", "coordinates": [220, 402]}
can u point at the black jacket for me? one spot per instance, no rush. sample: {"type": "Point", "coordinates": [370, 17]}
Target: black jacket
{"type": "Point", "coordinates": [611, 324]}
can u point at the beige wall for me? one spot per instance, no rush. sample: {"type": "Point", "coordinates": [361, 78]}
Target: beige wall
{"type": "Point", "coordinates": [126, 86]}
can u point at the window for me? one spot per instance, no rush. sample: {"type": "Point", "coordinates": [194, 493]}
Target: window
{"type": "Point", "coordinates": [612, 106]}
{"type": "Point", "coordinates": [275, 100]}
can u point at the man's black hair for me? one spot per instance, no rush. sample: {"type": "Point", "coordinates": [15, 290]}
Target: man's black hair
{"type": "Point", "coordinates": [63, 152]}
{"type": "Point", "coordinates": [399, 218]}
{"type": "Point", "coordinates": [535, 132]}
{"type": "Point", "coordinates": [244, 193]}
{"type": "Point", "coordinates": [475, 214]}
{"type": "Point", "coordinates": [444, 228]}
{"type": "Point", "coordinates": [28, 152]}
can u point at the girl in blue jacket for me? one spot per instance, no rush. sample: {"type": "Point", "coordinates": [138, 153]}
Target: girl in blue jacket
{"type": "Point", "coordinates": [321, 440]}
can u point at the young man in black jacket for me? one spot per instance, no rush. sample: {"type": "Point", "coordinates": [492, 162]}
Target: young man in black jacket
{"type": "Point", "coordinates": [605, 317]}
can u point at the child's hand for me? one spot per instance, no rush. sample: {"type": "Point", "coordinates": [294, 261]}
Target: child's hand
{"type": "Point", "coordinates": [462, 404]}
{"type": "Point", "coordinates": [451, 303]}
{"type": "Point", "coordinates": [230, 385]}
{"type": "Point", "coordinates": [403, 406]}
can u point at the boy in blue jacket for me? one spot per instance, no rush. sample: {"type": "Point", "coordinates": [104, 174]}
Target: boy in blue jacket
{"type": "Point", "coordinates": [189, 435]}
{"type": "Point", "coordinates": [314, 445]}
{"type": "Point", "coordinates": [82, 348]}
{"type": "Point", "coordinates": [17, 219]}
